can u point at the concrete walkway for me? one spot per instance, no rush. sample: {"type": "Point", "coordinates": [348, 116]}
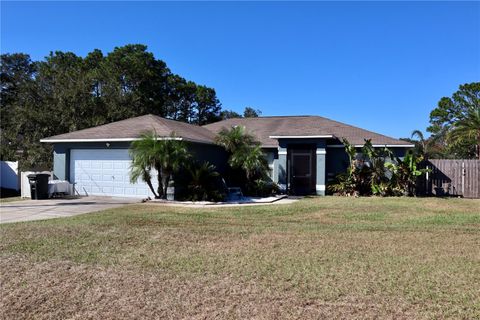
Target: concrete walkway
{"type": "Point", "coordinates": [28, 210]}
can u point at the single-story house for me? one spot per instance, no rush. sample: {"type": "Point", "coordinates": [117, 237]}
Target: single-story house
{"type": "Point", "coordinates": [304, 152]}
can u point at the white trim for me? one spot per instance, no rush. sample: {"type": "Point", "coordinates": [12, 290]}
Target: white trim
{"type": "Point", "coordinates": [282, 153]}
{"type": "Point", "coordinates": [374, 145]}
{"type": "Point", "coordinates": [321, 151]}
{"type": "Point", "coordinates": [320, 187]}
{"type": "Point", "coordinates": [301, 137]}
{"type": "Point", "coordinates": [104, 140]}
{"type": "Point", "coordinates": [120, 140]}
{"type": "Point", "coordinates": [87, 140]}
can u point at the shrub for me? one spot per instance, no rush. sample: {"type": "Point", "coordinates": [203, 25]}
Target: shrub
{"type": "Point", "coordinates": [262, 188]}
{"type": "Point", "coordinates": [201, 183]}
{"type": "Point", "coordinates": [373, 174]}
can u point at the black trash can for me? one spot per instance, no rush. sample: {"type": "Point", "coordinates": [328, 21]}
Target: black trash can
{"type": "Point", "coordinates": [38, 185]}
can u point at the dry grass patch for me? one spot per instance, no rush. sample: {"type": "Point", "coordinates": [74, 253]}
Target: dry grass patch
{"type": "Point", "coordinates": [318, 258]}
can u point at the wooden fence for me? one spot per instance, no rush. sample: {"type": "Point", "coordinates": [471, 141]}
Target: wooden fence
{"type": "Point", "coordinates": [451, 178]}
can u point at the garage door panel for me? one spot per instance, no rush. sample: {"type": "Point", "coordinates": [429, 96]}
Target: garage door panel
{"type": "Point", "coordinates": [119, 165]}
{"type": "Point", "coordinates": [107, 165]}
{"type": "Point", "coordinates": [96, 165]}
{"type": "Point", "coordinates": [130, 191]}
{"type": "Point", "coordinates": [95, 190]}
{"type": "Point", "coordinates": [107, 190]}
{"type": "Point", "coordinates": [142, 192]}
{"type": "Point", "coordinates": [84, 164]}
{"type": "Point", "coordinates": [105, 172]}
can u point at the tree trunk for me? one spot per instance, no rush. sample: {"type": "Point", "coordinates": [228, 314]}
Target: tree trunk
{"type": "Point", "coordinates": [160, 185]}
{"type": "Point", "coordinates": [149, 183]}
{"type": "Point", "coordinates": [165, 181]}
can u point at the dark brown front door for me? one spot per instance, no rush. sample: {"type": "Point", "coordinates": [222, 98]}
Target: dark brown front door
{"type": "Point", "coordinates": [302, 170]}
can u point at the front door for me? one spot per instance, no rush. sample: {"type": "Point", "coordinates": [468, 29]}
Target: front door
{"type": "Point", "coordinates": [302, 171]}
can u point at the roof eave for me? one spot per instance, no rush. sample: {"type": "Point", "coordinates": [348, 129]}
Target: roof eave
{"type": "Point", "coordinates": [374, 145]}
{"type": "Point", "coordinates": [67, 140]}
{"type": "Point", "coordinates": [321, 136]}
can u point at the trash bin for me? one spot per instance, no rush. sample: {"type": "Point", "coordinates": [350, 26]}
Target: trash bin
{"type": "Point", "coordinates": [38, 185]}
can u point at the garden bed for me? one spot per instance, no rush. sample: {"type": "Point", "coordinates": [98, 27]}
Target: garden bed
{"type": "Point", "coordinates": [242, 201]}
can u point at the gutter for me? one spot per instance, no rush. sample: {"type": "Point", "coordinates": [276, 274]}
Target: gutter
{"type": "Point", "coordinates": [119, 140]}
{"type": "Point", "coordinates": [325, 136]}
{"type": "Point", "coordinates": [374, 145]}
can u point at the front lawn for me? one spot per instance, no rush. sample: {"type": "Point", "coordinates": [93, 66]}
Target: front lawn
{"type": "Point", "coordinates": [331, 257]}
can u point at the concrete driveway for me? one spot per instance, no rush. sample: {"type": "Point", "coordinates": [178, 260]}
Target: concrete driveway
{"type": "Point", "coordinates": [28, 210]}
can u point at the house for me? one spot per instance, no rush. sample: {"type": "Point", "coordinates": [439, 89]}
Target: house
{"type": "Point", "coordinates": [97, 162]}
{"type": "Point", "coordinates": [304, 152]}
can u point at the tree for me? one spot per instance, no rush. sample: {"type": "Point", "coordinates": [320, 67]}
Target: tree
{"type": "Point", "coordinates": [17, 75]}
{"type": "Point", "coordinates": [207, 107]}
{"type": "Point", "coordinates": [181, 98]}
{"type": "Point", "coordinates": [449, 112]}
{"type": "Point", "coordinates": [164, 154]}
{"type": "Point", "coordinates": [229, 114]}
{"type": "Point", "coordinates": [251, 159]}
{"type": "Point", "coordinates": [467, 129]}
{"type": "Point", "coordinates": [203, 182]}
{"type": "Point", "coordinates": [428, 148]}
{"type": "Point", "coordinates": [375, 165]}
{"type": "Point", "coordinates": [141, 167]}
{"type": "Point", "coordinates": [246, 157]}
{"type": "Point", "coordinates": [247, 113]}
{"type": "Point", "coordinates": [251, 113]}
{"type": "Point", "coordinates": [234, 139]}
{"type": "Point", "coordinates": [65, 92]}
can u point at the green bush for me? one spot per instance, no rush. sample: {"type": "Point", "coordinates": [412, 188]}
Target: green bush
{"type": "Point", "coordinates": [201, 182]}
{"type": "Point", "coordinates": [262, 188]}
{"type": "Point", "coordinates": [377, 172]}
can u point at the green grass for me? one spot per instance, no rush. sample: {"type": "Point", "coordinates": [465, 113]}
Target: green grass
{"type": "Point", "coordinates": [353, 258]}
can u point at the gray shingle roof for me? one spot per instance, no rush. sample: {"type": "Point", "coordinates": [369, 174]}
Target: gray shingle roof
{"type": "Point", "coordinates": [264, 127]}
{"type": "Point", "coordinates": [132, 128]}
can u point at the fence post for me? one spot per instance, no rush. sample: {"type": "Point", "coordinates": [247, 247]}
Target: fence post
{"type": "Point", "coordinates": [463, 178]}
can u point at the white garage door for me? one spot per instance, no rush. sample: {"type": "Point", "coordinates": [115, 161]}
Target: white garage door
{"type": "Point", "coordinates": [104, 172]}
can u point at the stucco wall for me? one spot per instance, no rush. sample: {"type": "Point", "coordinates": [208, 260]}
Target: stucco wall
{"type": "Point", "coordinates": [61, 154]}
{"type": "Point", "coordinates": [271, 154]}
{"type": "Point", "coordinates": [211, 153]}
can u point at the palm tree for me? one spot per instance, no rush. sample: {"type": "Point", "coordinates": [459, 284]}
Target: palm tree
{"type": "Point", "coordinates": [246, 154]}
{"type": "Point", "coordinates": [202, 181]}
{"type": "Point", "coordinates": [173, 155]}
{"type": "Point", "coordinates": [467, 129]}
{"type": "Point", "coordinates": [143, 153]}
{"type": "Point", "coordinates": [430, 147]}
{"type": "Point", "coordinates": [421, 144]}
{"type": "Point", "coordinates": [233, 139]}
{"type": "Point", "coordinates": [251, 159]}
{"type": "Point", "coordinates": [141, 169]}
{"type": "Point", "coordinates": [165, 155]}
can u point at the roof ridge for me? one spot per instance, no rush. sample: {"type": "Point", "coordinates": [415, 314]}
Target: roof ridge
{"type": "Point", "coordinates": [309, 116]}
{"type": "Point", "coordinates": [352, 126]}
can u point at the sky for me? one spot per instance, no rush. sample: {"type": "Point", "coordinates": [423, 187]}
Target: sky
{"type": "Point", "coordinates": [382, 66]}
